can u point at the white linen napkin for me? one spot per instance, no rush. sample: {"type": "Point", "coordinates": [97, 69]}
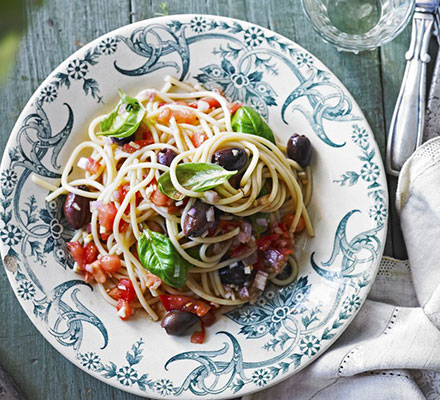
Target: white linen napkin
{"type": "Point", "coordinates": [391, 350]}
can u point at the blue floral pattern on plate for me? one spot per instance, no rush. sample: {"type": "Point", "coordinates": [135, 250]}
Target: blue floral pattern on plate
{"type": "Point", "coordinates": [287, 327]}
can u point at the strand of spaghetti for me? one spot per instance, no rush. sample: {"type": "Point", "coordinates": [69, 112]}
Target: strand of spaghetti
{"type": "Point", "coordinates": [216, 239]}
{"type": "Point", "coordinates": [200, 292]}
{"type": "Point", "coordinates": [213, 283]}
{"type": "Point", "coordinates": [205, 93]}
{"type": "Point", "coordinates": [292, 276]}
{"type": "Point", "coordinates": [225, 263]}
{"type": "Point", "coordinates": [104, 294]}
{"type": "Point", "coordinates": [309, 186]}
{"type": "Point", "coordinates": [205, 284]}
{"type": "Point", "coordinates": [180, 84]}
{"type": "Point", "coordinates": [70, 162]}
{"type": "Point", "coordinates": [217, 283]}
{"type": "Point", "coordinates": [138, 290]}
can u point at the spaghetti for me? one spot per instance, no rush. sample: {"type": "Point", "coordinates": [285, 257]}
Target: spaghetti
{"type": "Point", "coordinates": [229, 229]}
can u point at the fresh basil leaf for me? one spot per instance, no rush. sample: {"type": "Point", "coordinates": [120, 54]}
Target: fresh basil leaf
{"type": "Point", "coordinates": [258, 229]}
{"type": "Point", "coordinates": [158, 255]}
{"type": "Point", "coordinates": [124, 120]}
{"type": "Point", "coordinates": [247, 120]}
{"type": "Point", "coordinates": [198, 177]}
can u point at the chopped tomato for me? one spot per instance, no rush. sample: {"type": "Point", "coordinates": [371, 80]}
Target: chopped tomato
{"type": "Point", "coordinates": [229, 225]}
{"type": "Point", "coordinates": [265, 242]}
{"type": "Point", "coordinates": [288, 219]}
{"type": "Point", "coordinates": [301, 225]}
{"type": "Point", "coordinates": [124, 309]}
{"type": "Point", "coordinates": [285, 252]}
{"type": "Point", "coordinates": [197, 138]}
{"type": "Point", "coordinates": [209, 318]}
{"type": "Point", "coordinates": [184, 303]}
{"type": "Point", "coordinates": [78, 253]}
{"type": "Point", "coordinates": [164, 115]}
{"type": "Point", "coordinates": [233, 107]}
{"type": "Point", "coordinates": [240, 250]}
{"type": "Point", "coordinates": [160, 199]}
{"type": "Point", "coordinates": [114, 293]}
{"type": "Point", "coordinates": [173, 209]}
{"type": "Point", "coordinates": [126, 289]}
{"type": "Point", "coordinates": [144, 132]}
{"type": "Point", "coordinates": [88, 277]}
{"type": "Point", "coordinates": [182, 116]}
{"type": "Point", "coordinates": [105, 236]}
{"type": "Point", "coordinates": [91, 252]}
{"type": "Point", "coordinates": [123, 225]}
{"type": "Point", "coordinates": [213, 103]}
{"type": "Point", "coordinates": [198, 336]}
{"type": "Point", "coordinates": [153, 281]}
{"type": "Point", "coordinates": [93, 166]}
{"type": "Point", "coordinates": [122, 191]}
{"type": "Point", "coordinates": [95, 269]}
{"type": "Point", "coordinates": [106, 215]}
{"type": "Point", "coordinates": [110, 263]}
{"type": "Point", "coordinates": [128, 148]}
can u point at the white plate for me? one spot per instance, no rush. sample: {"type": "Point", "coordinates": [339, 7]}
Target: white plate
{"type": "Point", "coordinates": [248, 348]}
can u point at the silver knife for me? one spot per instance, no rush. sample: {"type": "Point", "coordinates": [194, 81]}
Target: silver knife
{"type": "Point", "coordinates": [407, 124]}
{"type": "Point", "coordinates": [432, 116]}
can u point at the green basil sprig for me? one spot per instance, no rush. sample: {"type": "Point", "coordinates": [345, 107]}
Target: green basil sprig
{"type": "Point", "coordinates": [124, 119]}
{"type": "Point", "coordinates": [198, 177]}
{"type": "Point", "coordinates": [247, 120]}
{"type": "Point", "coordinates": [158, 255]}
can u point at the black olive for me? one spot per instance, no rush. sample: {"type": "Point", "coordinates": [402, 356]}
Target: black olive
{"type": "Point", "coordinates": [196, 223]}
{"type": "Point", "coordinates": [235, 275]}
{"type": "Point", "coordinates": [300, 149]}
{"type": "Point", "coordinates": [231, 158]}
{"type": "Point", "coordinates": [77, 209]}
{"type": "Point", "coordinates": [177, 322]}
{"type": "Point", "coordinates": [123, 140]}
{"type": "Point", "coordinates": [234, 180]}
{"type": "Point", "coordinates": [166, 156]}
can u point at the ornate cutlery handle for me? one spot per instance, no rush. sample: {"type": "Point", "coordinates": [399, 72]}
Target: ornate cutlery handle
{"type": "Point", "coordinates": [406, 130]}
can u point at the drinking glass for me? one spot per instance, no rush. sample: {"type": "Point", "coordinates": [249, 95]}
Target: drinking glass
{"type": "Point", "coordinates": [357, 25]}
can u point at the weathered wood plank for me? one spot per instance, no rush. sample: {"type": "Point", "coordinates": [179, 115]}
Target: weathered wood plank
{"type": "Point", "coordinates": [55, 31]}
{"type": "Point", "coordinates": [393, 66]}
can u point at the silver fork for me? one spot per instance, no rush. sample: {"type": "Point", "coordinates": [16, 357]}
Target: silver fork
{"type": "Point", "coordinates": [406, 129]}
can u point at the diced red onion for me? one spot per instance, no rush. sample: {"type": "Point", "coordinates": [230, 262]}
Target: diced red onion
{"type": "Point", "coordinates": [211, 196]}
{"type": "Point", "coordinates": [261, 222]}
{"type": "Point", "coordinates": [82, 162]}
{"type": "Point", "coordinates": [95, 205]}
{"type": "Point", "coordinates": [250, 260]}
{"type": "Point", "coordinates": [106, 140]}
{"type": "Point", "coordinates": [260, 280]}
{"type": "Point", "coordinates": [202, 106]}
{"type": "Point", "coordinates": [245, 232]}
{"type": "Point", "coordinates": [210, 217]}
{"type": "Point", "coordinates": [244, 293]}
{"type": "Point", "coordinates": [274, 260]}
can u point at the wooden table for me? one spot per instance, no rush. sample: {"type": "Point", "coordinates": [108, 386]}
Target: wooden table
{"type": "Point", "coordinates": [59, 28]}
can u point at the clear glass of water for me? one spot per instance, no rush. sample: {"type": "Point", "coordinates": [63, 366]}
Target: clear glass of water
{"type": "Point", "coordinates": [358, 25]}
